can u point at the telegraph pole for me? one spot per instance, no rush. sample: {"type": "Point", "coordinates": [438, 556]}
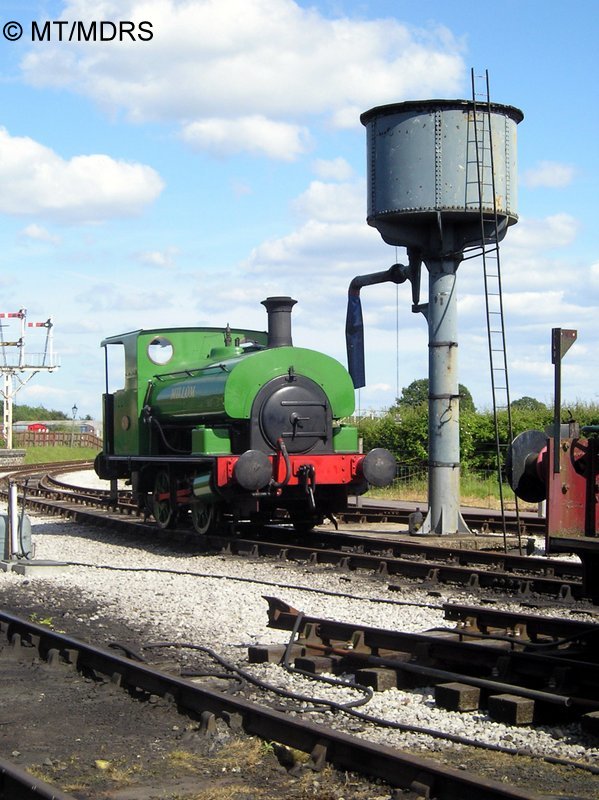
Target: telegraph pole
{"type": "Point", "coordinates": [17, 365]}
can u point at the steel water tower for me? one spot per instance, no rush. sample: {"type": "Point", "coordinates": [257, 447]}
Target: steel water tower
{"type": "Point", "coordinates": [440, 181]}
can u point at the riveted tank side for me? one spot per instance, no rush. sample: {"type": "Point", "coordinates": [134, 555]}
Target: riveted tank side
{"type": "Point", "coordinates": [423, 167]}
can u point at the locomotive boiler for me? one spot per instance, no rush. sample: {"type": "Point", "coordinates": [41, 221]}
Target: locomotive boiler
{"type": "Point", "coordinates": [230, 424]}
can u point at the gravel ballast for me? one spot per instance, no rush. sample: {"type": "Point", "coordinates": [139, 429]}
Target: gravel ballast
{"type": "Point", "coordinates": [218, 601]}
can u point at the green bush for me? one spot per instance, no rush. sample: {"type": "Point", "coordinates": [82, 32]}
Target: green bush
{"type": "Point", "coordinates": [404, 430]}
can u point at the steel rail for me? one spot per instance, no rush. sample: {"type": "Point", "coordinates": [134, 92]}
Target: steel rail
{"type": "Point", "coordinates": [385, 565]}
{"type": "Point", "coordinates": [342, 750]}
{"type": "Point", "coordinates": [458, 566]}
{"type": "Point", "coordinates": [527, 626]}
{"type": "Point", "coordinates": [357, 646]}
{"type": "Point", "coordinates": [462, 556]}
{"type": "Point", "coordinates": [419, 547]}
{"type": "Point", "coordinates": [380, 563]}
{"type": "Point", "coordinates": [17, 784]}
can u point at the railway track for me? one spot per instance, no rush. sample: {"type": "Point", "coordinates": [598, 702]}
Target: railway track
{"type": "Point", "coordinates": [521, 582]}
{"type": "Point", "coordinates": [316, 557]}
{"type": "Point", "coordinates": [364, 511]}
{"type": "Point", "coordinates": [521, 668]}
{"type": "Point", "coordinates": [324, 745]}
{"type": "Point", "coordinates": [18, 784]}
{"type": "Point", "coordinates": [482, 520]}
{"type": "Point", "coordinates": [389, 556]}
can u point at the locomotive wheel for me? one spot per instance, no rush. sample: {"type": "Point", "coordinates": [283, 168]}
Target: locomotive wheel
{"type": "Point", "coordinates": [202, 517]}
{"type": "Point", "coordinates": [162, 504]}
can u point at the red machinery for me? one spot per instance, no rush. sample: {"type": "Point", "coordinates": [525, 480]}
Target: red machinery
{"type": "Point", "coordinates": [564, 471]}
{"type": "Point", "coordinates": [562, 467]}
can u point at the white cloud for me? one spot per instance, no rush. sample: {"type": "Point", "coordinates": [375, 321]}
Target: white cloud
{"type": "Point", "coordinates": [535, 256]}
{"type": "Point", "coordinates": [104, 297]}
{"type": "Point", "coordinates": [548, 174]}
{"type": "Point", "coordinates": [347, 116]}
{"type": "Point", "coordinates": [163, 259]}
{"type": "Point", "coordinates": [254, 134]}
{"type": "Point", "coordinates": [543, 305]}
{"type": "Point", "coordinates": [36, 181]}
{"type": "Point", "coordinates": [333, 202]}
{"type": "Point", "coordinates": [214, 64]}
{"type": "Point", "coordinates": [379, 387]}
{"type": "Point", "coordinates": [39, 234]}
{"type": "Point", "coordinates": [531, 368]}
{"type": "Point", "coordinates": [336, 169]}
{"type": "Point", "coordinates": [321, 249]}
{"type": "Point", "coordinates": [557, 230]}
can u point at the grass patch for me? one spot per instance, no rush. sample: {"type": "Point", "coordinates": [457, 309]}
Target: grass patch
{"type": "Point", "coordinates": [75, 775]}
{"type": "Point", "coordinates": [47, 621]}
{"type": "Point", "coordinates": [481, 491]}
{"type": "Point", "coordinates": [45, 455]}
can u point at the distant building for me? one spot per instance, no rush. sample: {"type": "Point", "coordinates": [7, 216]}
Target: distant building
{"type": "Point", "coordinates": [47, 425]}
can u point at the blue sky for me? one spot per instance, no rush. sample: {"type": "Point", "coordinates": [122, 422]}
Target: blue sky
{"type": "Point", "coordinates": [181, 180]}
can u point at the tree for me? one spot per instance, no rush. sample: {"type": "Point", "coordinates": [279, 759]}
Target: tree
{"type": "Point", "coordinates": [528, 404]}
{"type": "Point", "coordinates": [405, 437]}
{"type": "Point", "coordinates": [404, 429]}
{"type": "Point", "coordinates": [22, 412]}
{"type": "Point", "coordinates": [417, 393]}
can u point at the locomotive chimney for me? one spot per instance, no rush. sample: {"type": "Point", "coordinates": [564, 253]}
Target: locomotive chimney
{"type": "Point", "coordinates": [279, 320]}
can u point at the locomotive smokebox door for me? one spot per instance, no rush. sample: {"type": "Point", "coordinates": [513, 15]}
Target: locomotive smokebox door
{"type": "Point", "coordinates": [296, 411]}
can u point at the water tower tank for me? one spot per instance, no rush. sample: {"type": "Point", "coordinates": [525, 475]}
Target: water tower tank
{"type": "Point", "coordinates": [423, 171]}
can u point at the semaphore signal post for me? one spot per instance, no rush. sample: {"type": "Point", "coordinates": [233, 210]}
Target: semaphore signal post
{"type": "Point", "coordinates": [17, 364]}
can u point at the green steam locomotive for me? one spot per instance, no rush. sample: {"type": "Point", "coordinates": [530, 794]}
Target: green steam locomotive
{"type": "Point", "coordinates": [229, 425]}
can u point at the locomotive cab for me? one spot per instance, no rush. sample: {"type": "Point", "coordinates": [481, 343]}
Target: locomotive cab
{"type": "Point", "coordinates": [150, 358]}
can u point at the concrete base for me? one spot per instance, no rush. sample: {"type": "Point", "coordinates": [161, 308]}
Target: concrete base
{"type": "Point", "coordinates": [11, 458]}
{"type": "Point", "coordinates": [34, 567]}
{"type": "Point", "coordinates": [511, 709]}
{"type": "Point", "coordinates": [456, 696]}
{"type": "Point", "coordinates": [590, 723]}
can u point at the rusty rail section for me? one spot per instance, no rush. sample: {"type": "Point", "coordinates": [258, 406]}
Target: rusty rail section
{"type": "Point", "coordinates": [344, 751]}
{"type": "Point", "coordinates": [560, 682]}
{"type": "Point", "coordinates": [431, 572]}
{"type": "Point", "coordinates": [17, 784]}
{"type": "Point", "coordinates": [528, 627]}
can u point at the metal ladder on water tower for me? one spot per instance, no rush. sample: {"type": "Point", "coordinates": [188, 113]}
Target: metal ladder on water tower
{"type": "Point", "coordinates": [481, 195]}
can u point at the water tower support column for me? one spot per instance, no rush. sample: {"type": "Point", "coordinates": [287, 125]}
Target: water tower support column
{"type": "Point", "coordinates": [444, 515]}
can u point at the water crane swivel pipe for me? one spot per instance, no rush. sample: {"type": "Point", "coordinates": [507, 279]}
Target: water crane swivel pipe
{"type": "Point", "coordinates": [354, 324]}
